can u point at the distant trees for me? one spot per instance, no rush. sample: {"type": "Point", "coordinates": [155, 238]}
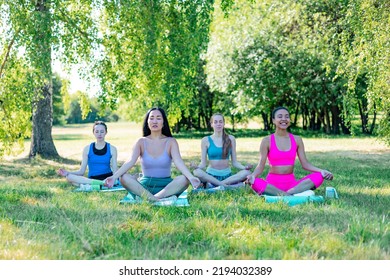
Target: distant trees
{"type": "Point", "coordinates": [327, 60]}
{"type": "Point", "coordinates": [308, 55]}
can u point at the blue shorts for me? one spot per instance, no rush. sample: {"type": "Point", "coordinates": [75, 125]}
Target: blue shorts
{"type": "Point", "coordinates": [154, 185]}
{"type": "Point", "coordinates": [219, 174]}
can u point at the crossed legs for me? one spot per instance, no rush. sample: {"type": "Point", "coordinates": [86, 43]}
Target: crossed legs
{"type": "Point", "coordinates": [178, 185]}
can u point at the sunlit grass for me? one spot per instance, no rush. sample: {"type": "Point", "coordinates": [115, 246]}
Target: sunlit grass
{"type": "Point", "coordinates": [41, 218]}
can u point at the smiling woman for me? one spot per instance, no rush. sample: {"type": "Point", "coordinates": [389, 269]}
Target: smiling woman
{"type": "Point", "coordinates": [281, 149]}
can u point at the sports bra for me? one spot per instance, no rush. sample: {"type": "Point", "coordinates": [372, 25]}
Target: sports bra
{"type": "Point", "coordinates": [159, 167]}
{"type": "Point", "coordinates": [277, 157]}
{"type": "Point", "coordinates": [99, 163]}
{"type": "Point", "coordinates": [214, 152]}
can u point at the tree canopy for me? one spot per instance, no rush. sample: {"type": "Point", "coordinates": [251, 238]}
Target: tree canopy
{"type": "Point", "coordinates": [327, 60]}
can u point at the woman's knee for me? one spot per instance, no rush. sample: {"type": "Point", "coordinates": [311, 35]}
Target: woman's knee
{"type": "Point", "coordinates": [198, 172]}
{"type": "Point", "coordinates": [181, 180]}
{"type": "Point", "coordinates": [126, 178]}
{"type": "Point", "coordinates": [245, 173]}
{"type": "Point", "coordinates": [259, 185]}
{"type": "Point", "coordinates": [316, 178]}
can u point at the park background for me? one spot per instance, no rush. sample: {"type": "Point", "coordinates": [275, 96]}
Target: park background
{"type": "Point", "coordinates": [327, 60]}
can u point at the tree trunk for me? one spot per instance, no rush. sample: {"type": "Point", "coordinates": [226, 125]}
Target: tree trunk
{"type": "Point", "coordinates": [42, 115]}
{"type": "Point", "coordinates": [373, 121]}
{"type": "Point", "coordinates": [41, 139]}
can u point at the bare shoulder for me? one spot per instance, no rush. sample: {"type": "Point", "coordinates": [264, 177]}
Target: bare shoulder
{"type": "Point", "coordinates": [298, 139]}
{"type": "Point", "coordinates": [232, 138]}
{"type": "Point", "coordinates": [172, 141]}
{"type": "Point", "coordinates": [140, 142]}
{"type": "Point", "coordinates": [266, 139]}
{"type": "Point", "coordinates": [205, 140]}
{"type": "Point", "coordinates": [86, 148]}
{"type": "Point", "coordinates": [113, 148]}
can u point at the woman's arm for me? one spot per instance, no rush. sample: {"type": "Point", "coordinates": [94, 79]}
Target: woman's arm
{"type": "Point", "coordinates": [264, 148]}
{"type": "Point", "coordinates": [83, 166]}
{"type": "Point", "coordinates": [203, 157]}
{"type": "Point", "coordinates": [114, 159]}
{"type": "Point", "coordinates": [235, 163]}
{"type": "Point", "coordinates": [130, 162]}
{"type": "Point", "coordinates": [179, 163]}
{"type": "Point", "coordinates": [306, 164]}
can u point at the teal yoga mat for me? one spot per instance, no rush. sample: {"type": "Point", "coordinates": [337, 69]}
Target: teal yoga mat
{"type": "Point", "coordinates": [293, 200]}
{"type": "Point", "coordinates": [102, 189]}
{"type": "Point", "coordinates": [182, 200]}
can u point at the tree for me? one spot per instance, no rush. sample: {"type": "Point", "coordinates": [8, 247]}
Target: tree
{"type": "Point", "coordinates": [32, 30]}
{"type": "Point", "coordinates": [151, 54]}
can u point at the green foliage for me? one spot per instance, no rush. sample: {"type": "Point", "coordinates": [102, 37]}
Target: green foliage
{"type": "Point", "coordinates": [365, 49]}
{"type": "Point", "coordinates": [85, 109]}
{"type": "Point", "coordinates": [16, 95]}
{"type": "Point", "coordinates": [31, 32]}
{"type": "Point", "coordinates": [151, 53]}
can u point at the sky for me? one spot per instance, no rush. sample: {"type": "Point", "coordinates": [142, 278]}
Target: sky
{"type": "Point", "coordinates": [76, 82]}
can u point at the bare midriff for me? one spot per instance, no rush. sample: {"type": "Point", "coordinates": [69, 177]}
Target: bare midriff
{"type": "Point", "coordinates": [219, 164]}
{"type": "Point", "coordinates": [282, 169]}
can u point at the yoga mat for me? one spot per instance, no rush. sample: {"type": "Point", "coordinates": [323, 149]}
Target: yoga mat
{"type": "Point", "coordinates": [293, 200]}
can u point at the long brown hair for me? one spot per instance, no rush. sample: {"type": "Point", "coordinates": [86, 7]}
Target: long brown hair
{"type": "Point", "coordinates": [226, 142]}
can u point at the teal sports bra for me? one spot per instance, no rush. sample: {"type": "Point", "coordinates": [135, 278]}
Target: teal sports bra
{"type": "Point", "coordinates": [214, 152]}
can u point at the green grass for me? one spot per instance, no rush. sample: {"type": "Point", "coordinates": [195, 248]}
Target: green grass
{"type": "Point", "coordinates": [41, 218]}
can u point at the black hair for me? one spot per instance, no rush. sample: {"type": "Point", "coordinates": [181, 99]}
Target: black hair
{"type": "Point", "coordinates": [165, 129]}
{"type": "Point", "coordinates": [277, 109]}
{"type": "Point", "coordinates": [99, 123]}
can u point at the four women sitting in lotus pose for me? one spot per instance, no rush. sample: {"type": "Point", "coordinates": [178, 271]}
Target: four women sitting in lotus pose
{"type": "Point", "coordinates": [157, 149]}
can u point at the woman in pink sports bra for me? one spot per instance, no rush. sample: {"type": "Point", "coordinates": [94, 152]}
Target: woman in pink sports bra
{"type": "Point", "coordinates": [281, 149]}
{"type": "Point", "coordinates": [156, 150]}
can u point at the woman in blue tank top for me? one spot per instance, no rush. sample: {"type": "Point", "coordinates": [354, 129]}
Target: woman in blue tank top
{"type": "Point", "coordinates": [156, 150]}
{"type": "Point", "coordinates": [100, 157]}
{"type": "Point", "coordinates": [218, 148]}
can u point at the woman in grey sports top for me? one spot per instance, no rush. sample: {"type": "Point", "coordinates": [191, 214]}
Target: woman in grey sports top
{"type": "Point", "coordinates": [156, 150]}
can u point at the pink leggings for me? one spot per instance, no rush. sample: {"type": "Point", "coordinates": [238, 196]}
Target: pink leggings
{"type": "Point", "coordinates": [285, 182]}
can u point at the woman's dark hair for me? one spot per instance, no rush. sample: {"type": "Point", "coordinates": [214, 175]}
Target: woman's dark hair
{"type": "Point", "coordinates": [165, 129]}
{"type": "Point", "coordinates": [99, 123]}
{"type": "Point", "coordinates": [277, 109]}
{"type": "Point", "coordinates": [226, 142]}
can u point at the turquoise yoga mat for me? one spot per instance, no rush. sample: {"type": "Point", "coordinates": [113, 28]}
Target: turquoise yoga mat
{"type": "Point", "coordinates": [102, 189]}
{"type": "Point", "coordinates": [182, 200]}
{"type": "Point", "coordinates": [293, 200]}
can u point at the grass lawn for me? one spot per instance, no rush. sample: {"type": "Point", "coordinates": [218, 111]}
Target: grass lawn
{"type": "Point", "coordinates": [41, 218]}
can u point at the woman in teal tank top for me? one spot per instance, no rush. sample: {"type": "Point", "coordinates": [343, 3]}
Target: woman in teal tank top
{"type": "Point", "coordinates": [156, 150]}
{"type": "Point", "coordinates": [218, 148]}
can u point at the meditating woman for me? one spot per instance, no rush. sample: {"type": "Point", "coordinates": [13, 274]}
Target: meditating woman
{"type": "Point", "coordinates": [99, 156]}
{"type": "Point", "coordinates": [156, 150]}
{"type": "Point", "coordinates": [281, 149]}
{"type": "Point", "coordinates": [218, 148]}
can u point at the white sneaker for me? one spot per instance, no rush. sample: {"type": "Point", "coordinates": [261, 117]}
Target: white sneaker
{"type": "Point", "coordinates": [305, 193]}
{"type": "Point", "coordinates": [166, 201]}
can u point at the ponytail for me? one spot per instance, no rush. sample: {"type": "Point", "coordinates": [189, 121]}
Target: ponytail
{"type": "Point", "coordinates": [227, 143]}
